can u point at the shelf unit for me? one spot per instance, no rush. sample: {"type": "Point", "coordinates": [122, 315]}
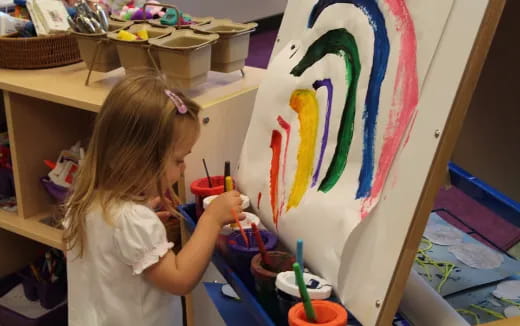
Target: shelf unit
{"type": "Point", "coordinates": [49, 110]}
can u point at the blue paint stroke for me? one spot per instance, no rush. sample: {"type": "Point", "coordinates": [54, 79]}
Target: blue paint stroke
{"type": "Point", "coordinates": [328, 84]}
{"type": "Point", "coordinates": [377, 75]}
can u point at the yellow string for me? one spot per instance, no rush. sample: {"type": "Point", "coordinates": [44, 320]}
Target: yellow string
{"type": "Point", "coordinates": [470, 313]}
{"type": "Point", "coordinates": [510, 302]}
{"type": "Point", "coordinates": [423, 259]}
{"type": "Point", "coordinates": [489, 311]}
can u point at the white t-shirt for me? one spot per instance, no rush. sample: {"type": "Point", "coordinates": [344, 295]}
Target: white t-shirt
{"type": "Point", "coordinates": [106, 286]}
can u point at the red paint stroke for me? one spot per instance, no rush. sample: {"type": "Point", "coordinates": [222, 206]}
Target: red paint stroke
{"type": "Point", "coordinates": [287, 128]}
{"type": "Point", "coordinates": [406, 93]}
{"type": "Point", "coordinates": [276, 144]}
{"type": "Point", "coordinates": [259, 200]}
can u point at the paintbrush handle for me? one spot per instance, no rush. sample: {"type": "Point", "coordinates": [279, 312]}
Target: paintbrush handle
{"type": "Point", "coordinates": [307, 304]}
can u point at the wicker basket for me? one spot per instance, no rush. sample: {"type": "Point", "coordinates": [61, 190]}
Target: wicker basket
{"type": "Point", "coordinates": [38, 52]}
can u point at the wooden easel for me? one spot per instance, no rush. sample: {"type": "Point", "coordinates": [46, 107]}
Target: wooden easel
{"type": "Point", "coordinates": [436, 175]}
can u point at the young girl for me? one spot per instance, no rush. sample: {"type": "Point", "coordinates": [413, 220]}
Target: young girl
{"type": "Point", "coordinates": [121, 270]}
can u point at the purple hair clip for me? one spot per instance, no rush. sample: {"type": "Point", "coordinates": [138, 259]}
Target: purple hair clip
{"type": "Point", "coordinates": [181, 107]}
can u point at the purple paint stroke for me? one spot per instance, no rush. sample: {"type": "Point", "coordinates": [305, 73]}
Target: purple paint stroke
{"type": "Point", "coordinates": [330, 90]}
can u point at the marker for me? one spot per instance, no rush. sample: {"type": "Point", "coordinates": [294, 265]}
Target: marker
{"type": "Point", "coordinates": [260, 244]}
{"type": "Point", "coordinates": [299, 252]}
{"type": "Point", "coordinates": [227, 169]}
{"type": "Point", "coordinates": [242, 232]}
{"type": "Point", "coordinates": [228, 184]}
{"type": "Point", "coordinates": [307, 304]}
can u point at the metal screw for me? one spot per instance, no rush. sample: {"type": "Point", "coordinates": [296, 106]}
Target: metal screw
{"type": "Point", "coordinates": [378, 303]}
{"type": "Point", "coordinates": [205, 120]}
{"type": "Point", "coordinates": [437, 133]}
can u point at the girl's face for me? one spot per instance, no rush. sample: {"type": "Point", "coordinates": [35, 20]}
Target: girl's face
{"type": "Point", "coordinates": [176, 165]}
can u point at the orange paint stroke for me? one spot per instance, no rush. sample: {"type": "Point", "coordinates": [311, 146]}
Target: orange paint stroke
{"type": "Point", "coordinates": [276, 144]}
{"type": "Point", "coordinates": [259, 200]}
{"type": "Point", "coordinates": [305, 104]}
{"type": "Point", "coordinates": [287, 128]}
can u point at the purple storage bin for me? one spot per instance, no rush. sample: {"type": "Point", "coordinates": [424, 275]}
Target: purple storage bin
{"type": "Point", "coordinates": [54, 317]}
{"type": "Point", "coordinates": [59, 193]}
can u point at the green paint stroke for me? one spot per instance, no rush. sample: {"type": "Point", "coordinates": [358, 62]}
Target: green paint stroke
{"type": "Point", "coordinates": [339, 42]}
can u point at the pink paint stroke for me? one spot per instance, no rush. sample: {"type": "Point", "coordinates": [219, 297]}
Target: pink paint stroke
{"type": "Point", "coordinates": [406, 93]}
{"type": "Point", "coordinates": [287, 128]}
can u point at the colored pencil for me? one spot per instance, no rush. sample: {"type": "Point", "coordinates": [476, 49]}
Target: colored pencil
{"type": "Point", "coordinates": [307, 304]}
{"type": "Point", "coordinates": [207, 173]}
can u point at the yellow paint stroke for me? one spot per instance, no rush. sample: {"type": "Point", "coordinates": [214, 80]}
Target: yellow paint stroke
{"type": "Point", "coordinates": [304, 102]}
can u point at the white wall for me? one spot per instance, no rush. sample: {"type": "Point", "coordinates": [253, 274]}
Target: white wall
{"type": "Point", "coordinates": [238, 10]}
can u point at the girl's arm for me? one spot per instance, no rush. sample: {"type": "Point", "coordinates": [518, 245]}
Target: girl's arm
{"type": "Point", "coordinates": [179, 274]}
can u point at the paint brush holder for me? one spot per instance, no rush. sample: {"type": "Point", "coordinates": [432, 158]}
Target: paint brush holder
{"type": "Point", "coordinates": [240, 255]}
{"type": "Point", "coordinates": [200, 189]}
{"type": "Point", "coordinates": [185, 57]}
{"type": "Point", "coordinates": [230, 52]}
{"type": "Point", "coordinates": [136, 53]}
{"type": "Point", "coordinates": [265, 278]}
{"type": "Point", "coordinates": [96, 51]}
{"type": "Point", "coordinates": [327, 314]}
{"type": "Point", "coordinates": [30, 284]}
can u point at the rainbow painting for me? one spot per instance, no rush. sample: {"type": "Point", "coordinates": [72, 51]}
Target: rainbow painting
{"type": "Point", "coordinates": [313, 172]}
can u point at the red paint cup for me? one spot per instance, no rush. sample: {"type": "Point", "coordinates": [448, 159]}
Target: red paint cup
{"type": "Point", "coordinates": [327, 314]}
{"type": "Point", "coordinates": [201, 189]}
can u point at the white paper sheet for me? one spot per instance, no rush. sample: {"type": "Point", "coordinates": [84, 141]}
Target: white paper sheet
{"type": "Point", "coordinates": [324, 218]}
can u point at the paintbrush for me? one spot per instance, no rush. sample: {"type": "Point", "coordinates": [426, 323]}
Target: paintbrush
{"type": "Point", "coordinates": [307, 304]}
{"type": "Point", "coordinates": [207, 173]}
{"type": "Point", "coordinates": [242, 232]}
{"type": "Point", "coordinates": [261, 246]}
{"type": "Point", "coordinates": [299, 252]}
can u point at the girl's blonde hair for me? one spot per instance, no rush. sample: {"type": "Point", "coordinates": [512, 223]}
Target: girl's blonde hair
{"type": "Point", "coordinates": [135, 133]}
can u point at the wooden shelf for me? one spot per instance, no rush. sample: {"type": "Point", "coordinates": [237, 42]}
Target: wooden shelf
{"type": "Point", "coordinates": [32, 228]}
{"type": "Point", "coordinates": [66, 85]}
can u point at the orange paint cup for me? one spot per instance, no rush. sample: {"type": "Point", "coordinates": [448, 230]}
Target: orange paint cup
{"type": "Point", "coordinates": [327, 314]}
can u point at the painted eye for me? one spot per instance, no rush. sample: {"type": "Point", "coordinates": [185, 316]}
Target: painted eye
{"type": "Point", "coordinates": [293, 49]}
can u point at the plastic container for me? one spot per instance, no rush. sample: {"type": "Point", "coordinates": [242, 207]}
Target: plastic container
{"type": "Point", "coordinates": [288, 294]}
{"type": "Point", "coordinates": [97, 51]}
{"type": "Point", "coordinates": [30, 284]}
{"type": "Point", "coordinates": [327, 314]}
{"type": "Point", "coordinates": [240, 255]}
{"type": "Point", "coordinates": [185, 57]}
{"type": "Point", "coordinates": [245, 201]}
{"type": "Point", "coordinates": [228, 229]}
{"type": "Point", "coordinates": [200, 189]}
{"type": "Point", "coordinates": [52, 294]}
{"type": "Point", "coordinates": [134, 54]}
{"type": "Point", "coordinates": [230, 52]}
{"type": "Point", "coordinates": [265, 277]}
{"type": "Point", "coordinates": [58, 193]}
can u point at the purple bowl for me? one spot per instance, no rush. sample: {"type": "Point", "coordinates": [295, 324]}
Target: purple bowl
{"type": "Point", "coordinates": [59, 193]}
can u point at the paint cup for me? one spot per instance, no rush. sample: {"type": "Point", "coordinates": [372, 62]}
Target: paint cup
{"type": "Point", "coordinates": [201, 189]}
{"type": "Point", "coordinates": [327, 314]}
{"type": "Point", "coordinates": [209, 199]}
{"type": "Point", "coordinates": [228, 229]}
{"type": "Point", "coordinates": [240, 255]}
{"type": "Point", "coordinates": [288, 293]}
{"type": "Point", "coordinates": [265, 277]}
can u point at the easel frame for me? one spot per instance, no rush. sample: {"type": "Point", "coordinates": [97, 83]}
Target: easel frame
{"type": "Point", "coordinates": [437, 172]}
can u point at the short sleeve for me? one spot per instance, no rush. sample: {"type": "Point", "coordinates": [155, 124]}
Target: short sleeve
{"type": "Point", "coordinates": [140, 237]}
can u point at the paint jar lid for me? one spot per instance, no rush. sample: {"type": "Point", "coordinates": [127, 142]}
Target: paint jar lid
{"type": "Point", "coordinates": [208, 200]}
{"type": "Point", "coordinates": [237, 244]}
{"type": "Point", "coordinates": [320, 290]}
{"type": "Point", "coordinates": [246, 223]}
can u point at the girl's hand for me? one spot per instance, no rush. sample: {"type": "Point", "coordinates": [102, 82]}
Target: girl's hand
{"type": "Point", "coordinates": [156, 205]}
{"type": "Point", "coordinates": [220, 208]}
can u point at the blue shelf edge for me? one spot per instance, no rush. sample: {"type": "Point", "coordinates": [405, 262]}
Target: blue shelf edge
{"type": "Point", "coordinates": [486, 195]}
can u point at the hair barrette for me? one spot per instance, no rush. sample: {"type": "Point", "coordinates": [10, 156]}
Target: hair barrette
{"type": "Point", "coordinates": [181, 107]}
